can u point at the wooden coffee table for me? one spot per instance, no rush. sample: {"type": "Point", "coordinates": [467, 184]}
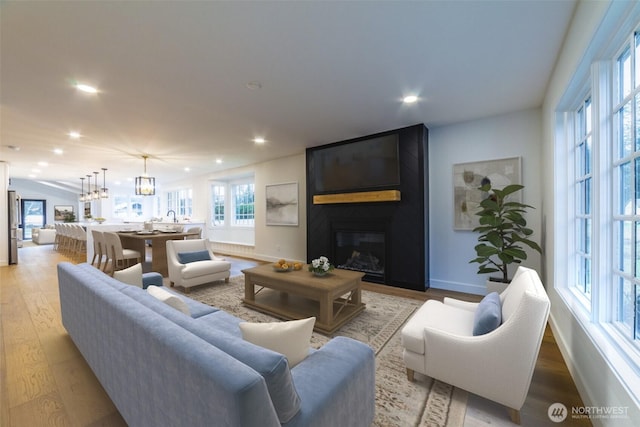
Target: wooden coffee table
{"type": "Point", "coordinates": [333, 299]}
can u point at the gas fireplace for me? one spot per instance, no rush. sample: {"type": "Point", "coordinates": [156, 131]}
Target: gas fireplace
{"type": "Point", "coordinates": [361, 251]}
{"type": "Point", "coordinates": [361, 246]}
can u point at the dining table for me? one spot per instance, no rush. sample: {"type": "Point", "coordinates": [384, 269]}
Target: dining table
{"type": "Point", "coordinates": [137, 240]}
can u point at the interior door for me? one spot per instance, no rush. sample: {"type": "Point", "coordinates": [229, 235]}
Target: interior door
{"type": "Point", "coordinates": [34, 215]}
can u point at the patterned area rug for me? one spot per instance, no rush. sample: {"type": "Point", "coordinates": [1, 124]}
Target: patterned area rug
{"type": "Point", "coordinates": [425, 402]}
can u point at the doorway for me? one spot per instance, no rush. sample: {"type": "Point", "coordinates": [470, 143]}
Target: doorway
{"type": "Point", "coordinates": [34, 215]}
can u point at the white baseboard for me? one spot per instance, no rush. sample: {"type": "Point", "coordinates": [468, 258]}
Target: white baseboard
{"type": "Point", "coordinates": [458, 287]}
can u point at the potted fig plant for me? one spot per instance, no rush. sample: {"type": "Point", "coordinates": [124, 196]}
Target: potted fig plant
{"type": "Point", "coordinates": [503, 233]}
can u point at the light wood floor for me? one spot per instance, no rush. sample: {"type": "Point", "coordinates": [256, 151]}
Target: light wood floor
{"type": "Point", "coordinates": [46, 382]}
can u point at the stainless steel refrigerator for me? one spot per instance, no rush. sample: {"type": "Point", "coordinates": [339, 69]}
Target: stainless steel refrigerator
{"type": "Point", "coordinates": [14, 223]}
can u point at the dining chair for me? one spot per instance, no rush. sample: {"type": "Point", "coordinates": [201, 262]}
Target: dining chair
{"type": "Point", "coordinates": [197, 233]}
{"type": "Point", "coordinates": [56, 241]}
{"type": "Point", "coordinates": [66, 242]}
{"type": "Point", "coordinates": [79, 236]}
{"type": "Point", "coordinates": [98, 251]}
{"type": "Point", "coordinates": [120, 256]}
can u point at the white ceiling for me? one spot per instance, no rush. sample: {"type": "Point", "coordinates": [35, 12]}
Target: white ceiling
{"type": "Point", "coordinates": [173, 77]}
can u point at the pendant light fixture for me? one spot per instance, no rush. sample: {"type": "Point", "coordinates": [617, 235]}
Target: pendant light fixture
{"type": "Point", "coordinates": [145, 185]}
{"type": "Point", "coordinates": [81, 198]}
{"type": "Point", "coordinates": [104, 193]}
{"type": "Point", "coordinates": [89, 196]}
{"type": "Point", "coordinates": [96, 193]}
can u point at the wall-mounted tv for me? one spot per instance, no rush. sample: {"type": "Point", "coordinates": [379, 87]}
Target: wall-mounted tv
{"type": "Point", "coordinates": [356, 166]}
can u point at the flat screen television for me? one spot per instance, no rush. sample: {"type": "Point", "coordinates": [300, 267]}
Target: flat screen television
{"type": "Point", "coordinates": [357, 166]}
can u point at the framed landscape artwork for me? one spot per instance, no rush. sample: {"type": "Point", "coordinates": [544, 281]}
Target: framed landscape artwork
{"type": "Point", "coordinates": [282, 204]}
{"type": "Point", "coordinates": [469, 177]}
{"type": "Point", "coordinates": [60, 211]}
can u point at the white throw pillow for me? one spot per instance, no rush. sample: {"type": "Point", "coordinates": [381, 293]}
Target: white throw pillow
{"type": "Point", "coordinates": [291, 338]}
{"type": "Point", "coordinates": [169, 299]}
{"type": "Point", "coordinates": [130, 276]}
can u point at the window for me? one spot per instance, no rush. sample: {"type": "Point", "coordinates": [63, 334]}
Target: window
{"type": "Point", "coordinates": [626, 191]}
{"type": "Point", "coordinates": [232, 203]}
{"type": "Point", "coordinates": [601, 127]}
{"type": "Point", "coordinates": [243, 204]}
{"type": "Point", "coordinates": [128, 208]}
{"type": "Point", "coordinates": [181, 202]}
{"type": "Point", "coordinates": [217, 204]}
{"type": "Point", "coordinates": [583, 197]}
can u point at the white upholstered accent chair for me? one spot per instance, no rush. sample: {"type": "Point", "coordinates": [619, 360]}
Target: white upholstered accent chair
{"type": "Point", "coordinates": [438, 341]}
{"type": "Point", "coordinates": [194, 271]}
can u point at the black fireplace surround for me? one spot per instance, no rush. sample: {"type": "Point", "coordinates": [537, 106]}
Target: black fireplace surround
{"type": "Point", "coordinates": [388, 241]}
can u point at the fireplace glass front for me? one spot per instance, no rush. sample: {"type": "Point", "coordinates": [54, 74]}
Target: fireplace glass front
{"type": "Point", "coordinates": [361, 251]}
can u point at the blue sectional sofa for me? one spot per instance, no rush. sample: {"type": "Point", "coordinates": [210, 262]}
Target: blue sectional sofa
{"type": "Point", "coordinates": [163, 367]}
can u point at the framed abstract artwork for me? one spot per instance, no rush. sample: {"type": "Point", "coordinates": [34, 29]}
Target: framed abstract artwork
{"type": "Point", "coordinates": [282, 204]}
{"type": "Point", "coordinates": [469, 177]}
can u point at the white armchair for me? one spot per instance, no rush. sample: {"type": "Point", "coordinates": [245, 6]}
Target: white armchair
{"type": "Point", "coordinates": [191, 263]}
{"type": "Point", "coordinates": [438, 342]}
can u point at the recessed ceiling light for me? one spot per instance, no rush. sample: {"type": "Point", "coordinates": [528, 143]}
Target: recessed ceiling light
{"type": "Point", "coordinates": [86, 88]}
{"type": "Point", "coordinates": [32, 176]}
{"type": "Point", "coordinates": [187, 169]}
{"type": "Point", "coordinates": [218, 161]}
{"type": "Point", "coordinates": [259, 140]}
{"type": "Point", "coordinates": [36, 170]}
{"type": "Point", "coordinates": [410, 99]}
{"type": "Point", "coordinates": [43, 164]}
{"type": "Point", "coordinates": [74, 134]}
{"type": "Point", "coordinates": [58, 151]}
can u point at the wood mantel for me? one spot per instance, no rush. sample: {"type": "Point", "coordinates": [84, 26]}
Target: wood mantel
{"type": "Point", "coordinates": [359, 197]}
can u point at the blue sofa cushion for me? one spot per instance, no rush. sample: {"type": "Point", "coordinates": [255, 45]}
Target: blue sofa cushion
{"type": "Point", "coordinates": [193, 256]}
{"type": "Point", "coordinates": [196, 308]}
{"type": "Point", "coordinates": [488, 315]}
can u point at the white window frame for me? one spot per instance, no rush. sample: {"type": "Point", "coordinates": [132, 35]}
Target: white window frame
{"type": "Point", "coordinates": [229, 202]}
{"type": "Point", "coordinates": [219, 220]}
{"type": "Point", "coordinates": [180, 201]}
{"type": "Point", "coordinates": [129, 213]}
{"type": "Point", "coordinates": [234, 220]}
{"type": "Point", "coordinates": [597, 316]}
{"type": "Point", "coordinates": [583, 211]}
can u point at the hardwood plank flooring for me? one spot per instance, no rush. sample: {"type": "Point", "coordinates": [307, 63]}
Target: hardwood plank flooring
{"type": "Point", "coordinates": [44, 380]}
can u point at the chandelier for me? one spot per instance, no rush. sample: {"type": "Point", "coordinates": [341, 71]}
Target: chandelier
{"type": "Point", "coordinates": [145, 185]}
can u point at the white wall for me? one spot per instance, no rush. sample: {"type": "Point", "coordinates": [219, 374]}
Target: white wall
{"type": "Point", "coordinates": [598, 384]}
{"type": "Point", "coordinates": [512, 135]}
{"type": "Point", "coordinates": [262, 241]}
{"type": "Point", "coordinates": [274, 242]}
